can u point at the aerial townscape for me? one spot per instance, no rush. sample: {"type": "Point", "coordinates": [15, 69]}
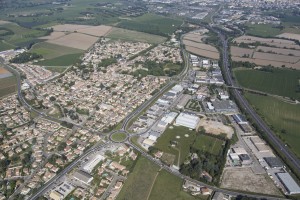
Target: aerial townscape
{"type": "Point", "coordinates": [149, 99]}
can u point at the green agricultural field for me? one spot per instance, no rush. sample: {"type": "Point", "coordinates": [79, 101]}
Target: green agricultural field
{"type": "Point", "coordinates": [181, 150]}
{"type": "Point", "coordinates": [65, 60]}
{"type": "Point", "coordinates": [151, 23]}
{"type": "Point", "coordinates": [129, 35]}
{"type": "Point", "coordinates": [139, 182]}
{"type": "Point", "coordinates": [5, 46]}
{"type": "Point", "coordinates": [284, 118]}
{"type": "Point", "coordinates": [50, 51]}
{"type": "Point", "coordinates": [22, 36]}
{"type": "Point", "coordinates": [208, 144]}
{"type": "Point", "coordinates": [283, 82]}
{"type": "Point", "coordinates": [262, 30]}
{"type": "Point", "coordinates": [8, 86]}
{"type": "Point", "coordinates": [169, 187]}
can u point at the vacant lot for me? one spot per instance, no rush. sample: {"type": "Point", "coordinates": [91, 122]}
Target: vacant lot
{"type": "Point", "coordinates": [200, 46]}
{"type": "Point", "coordinates": [208, 144]}
{"type": "Point", "coordinates": [75, 40]}
{"type": "Point", "coordinates": [50, 51]}
{"type": "Point", "coordinates": [275, 57]}
{"type": "Point", "coordinates": [244, 179]}
{"type": "Point", "coordinates": [197, 37]}
{"type": "Point", "coordinates": [182, 149]}
{"type": "Point", "coordinates": [169, 187]}
{"type": "Point", "coordinates": [139, 182]}
{"type": "Point", "coordinates": [129, 35]}
{"type": "Point", "coordinates": [283, 82]}
{"type": "Point", "coordinates": [216, 128]}
{"type": "Point", "coordinates": [284, 118]}
{"type": "Point", "coordinates": [203, 53]}
{"type": "Point", "coordinates": [241, 52]}
{"type": "Point", "coordinates": [289, 36]}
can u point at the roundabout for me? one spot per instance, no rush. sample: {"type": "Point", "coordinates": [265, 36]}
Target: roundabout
{"type": "Point", "coordinates": [118, 137]}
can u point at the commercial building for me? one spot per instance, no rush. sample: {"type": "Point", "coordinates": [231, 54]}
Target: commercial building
{"type": "Point", "coordinates": [225, 106]}
{"type": "Point", "coordinates": [170, 117]}
{"type": "Point", "coordinates": [89, 166]}
{"type": "Point", "coordinates": [273, 162]}
{"type": "Point", "coordinates": [83, 177]}
{"type": "Point", "coordinates": [187, 120]}
{"type": "Point", "coordinates": [239, 119]}
{"type": "Point", "coordinates": [289, 183]}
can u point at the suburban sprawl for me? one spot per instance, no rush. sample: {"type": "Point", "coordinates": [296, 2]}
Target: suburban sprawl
{"type": "Point", "coordinates": [149, 100]}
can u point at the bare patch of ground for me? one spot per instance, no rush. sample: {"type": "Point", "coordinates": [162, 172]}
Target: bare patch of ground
{"type": "Point", "coordinates": [96, 30]}
{"type": "Point", "coordinates": [75, 40]}
{"type": "Point", "coordinates": [241, 52]}
{"type": "Point", "coordinates": [244, 179]}
{"type": "Point", "coordinates": [53, 35]}
{"type": "Point", "coordinates": [204, 53]}
{"type": "Point", "coordinates": [289, 36]}
{"type": "Point", "coordinates": [216, 128]}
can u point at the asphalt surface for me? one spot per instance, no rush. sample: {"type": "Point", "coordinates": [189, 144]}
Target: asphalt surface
{"type": "Point", "coordinates": [277, 143]}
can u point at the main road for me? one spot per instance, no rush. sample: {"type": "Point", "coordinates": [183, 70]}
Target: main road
{"type": "Point", "coordinates": [273, 139]}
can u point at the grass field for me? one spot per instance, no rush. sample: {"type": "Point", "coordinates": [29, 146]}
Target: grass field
{"type": "Point", "coordinates": [184, 143]}
{"type": "Point", "coordinates": [8, 86]}
{"type": "Point", "coordinates": [65, 60]}
{"type": "Point", "coordinates": [129, 35]}
{"type": "Point", "coordinates": [50, 51]}
{"type": "Point", "coordinates": [5, 46]}
{"type": "Point", "coordinates": [138, 184]}
{"type": "Point", "coordinates": [208, 144]}
{"type": "Point", "coordinates": [169, 187]}
{"type": "Point", "coordinates": [118, 137]}
{"type": "Point", "coordinates": [283, 82]}
{"type": "Point", "coordinates": [284, 118]}
{"type": "Point", "coordinates": [21, 36]}
{"type": "Point", "coordinates": [151, 23]}
{"type": "Point", "coordinates": [262, 30]}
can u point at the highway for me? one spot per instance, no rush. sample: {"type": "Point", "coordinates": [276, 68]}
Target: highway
{"type": "Point", "coordinates": [131, 116]}
{"type": "Point", "coordinates": [277, 143]}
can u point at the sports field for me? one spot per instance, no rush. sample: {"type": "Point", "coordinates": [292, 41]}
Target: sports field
{"type": "Point", "coordinates": [129, 35]}
{"type": "Point", "coordinates": [208, 144]}
{"type": "Point", "coordinates": [283, 82]}
{"type": "Point", "coordinates": [283, 117]}
{"type": "Point", "coordinates": [182, 149]}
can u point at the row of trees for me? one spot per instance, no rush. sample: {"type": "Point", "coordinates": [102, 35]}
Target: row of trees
{"type": "Point", "coordinates": [25, 57]}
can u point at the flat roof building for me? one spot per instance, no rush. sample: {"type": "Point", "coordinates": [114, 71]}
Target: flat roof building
{"type": "Point", "coordinates": [89, 166]}
{"type": "Point", "coordinates": [83, 177]}
{"type": "Point", "coordinates": [240, 119]}
{"type": "Point", "coordinates": [225, 106]}
{"type": "Point", "coordinates": [289, 183]}
{"type": "Point", "coordinates": [187, 120]}
{"type": "Point", "coordinates": [273, 162]}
